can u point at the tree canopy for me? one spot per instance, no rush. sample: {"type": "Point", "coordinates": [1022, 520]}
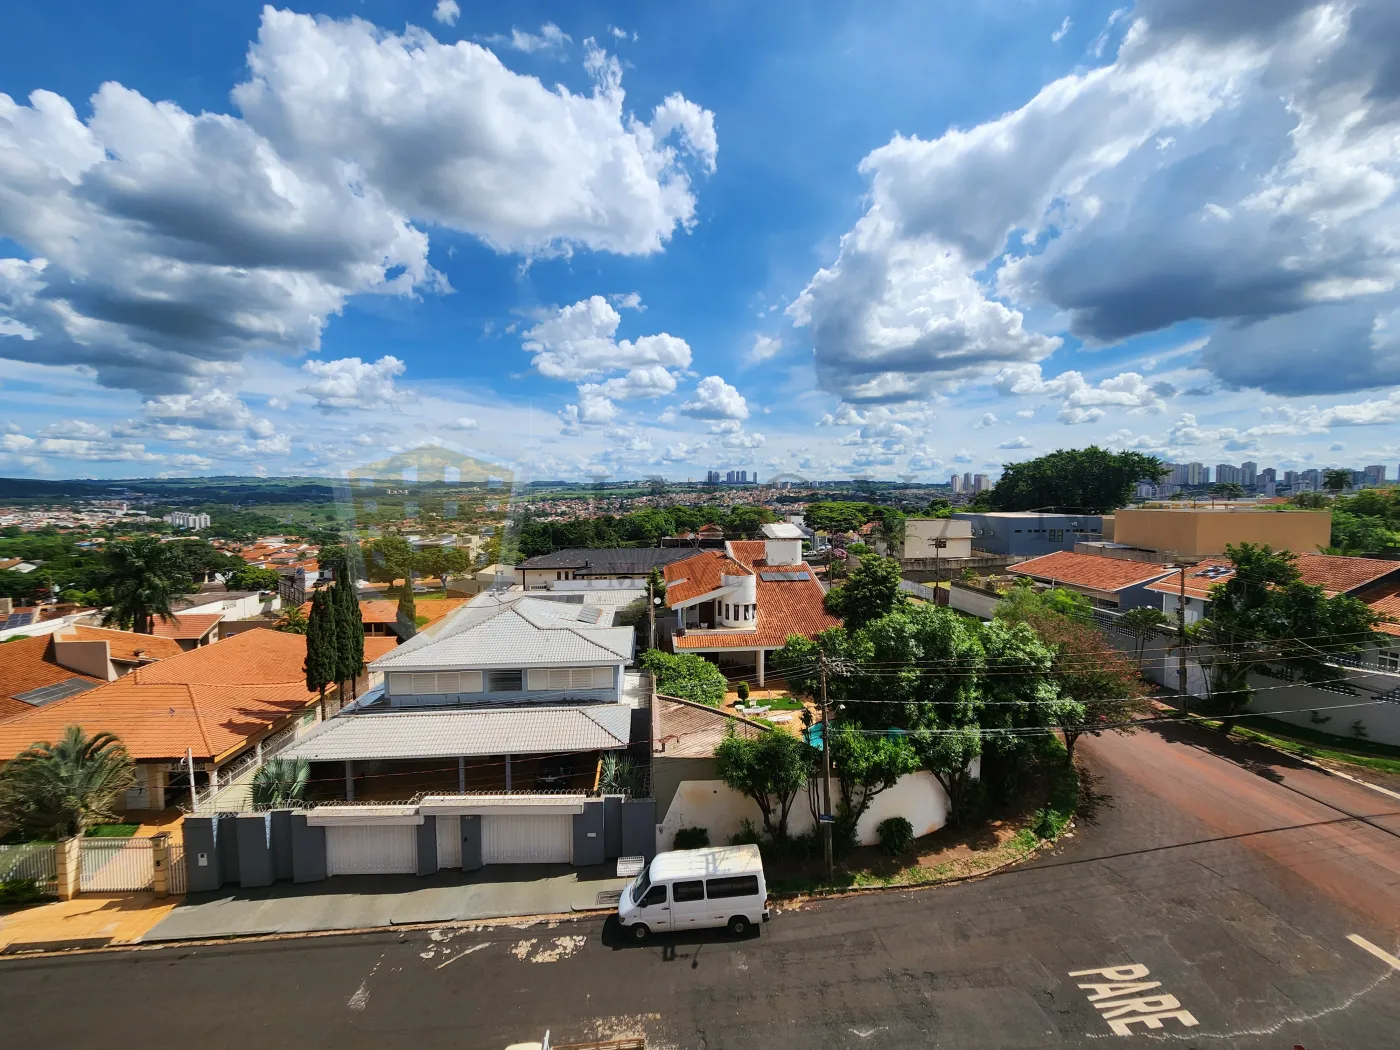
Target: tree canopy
{"type": "Point", "coordinates": [140, 579]}
{"type": "Point", "coordinates": [871, 591]}
{"type": "Point", "coordinates": [686, 675]}
{"type": "Point", "coordinates": [60, 790]}
{"type": "Point", "coordinates": [1078, 481]}
{"type": "Point", "coordinates": [251, 578]}
{"type": "Point", "coordinates": [770, 769]}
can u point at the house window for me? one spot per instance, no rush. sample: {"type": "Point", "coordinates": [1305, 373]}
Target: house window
{"type": "Point", "coordinates": [1057, 535]}
{"type": "Point", "coordinates": [505, 681]}
{"type": "Point", "coordinates": [1388, 659]}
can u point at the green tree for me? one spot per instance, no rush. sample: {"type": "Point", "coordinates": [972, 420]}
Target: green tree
{"type": "Point", "coordinates": [1226, 490]}
{"type": "Point", "coordinates": [60, 790]}
{"type": "Point", "coordinates": [349, 635]}
{"type": "Point", "coordinates": [293, 621]}
{"type": "Point", "coordinates": [1081, 481]}
{"type": "Point", "coordinates": [770, 769]}
{"type": "Point", "coordinates": [200, 561]}
{"type": "Point", "coordinates": [442, 562]}
{"type": "Point", "coordinates": [1336, 480]}
{"type": "Point", "coordinates": [685, 675]}
{"type": "Point", "coordinates": [1264, 615]}
{"type": "Point", "coordinates": [322, 646]}
{"type": "Point", "coordinates": [389, 559]}
{"type": "Point", "coordinates": [865, 765]}
{"type": "Point", "coordinates": [1142, 623]}
{"type": "Point", "coordinates": [938, 507]}
{"type": "Point", "coordinates": [406, 615]}
{"type": "Point", "coordinates": [139, 581]}
{"type": "Point", "coordinates": [280, 783]}
{"type": "Point", "coordinates": [656, 580]}
{"type": "Point", "coordinates": [871, 591]}
{"type": "Point", "coordinates": [251, 578]}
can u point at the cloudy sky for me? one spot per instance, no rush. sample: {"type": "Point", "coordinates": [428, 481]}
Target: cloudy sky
{"type": "Point", "coordinates": [819, 239]}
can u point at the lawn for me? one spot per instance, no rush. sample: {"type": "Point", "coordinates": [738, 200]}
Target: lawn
{"type": "Point", "coordinates": [1308, 743]}
{"type": "Point", "coordinates": [112, 831]}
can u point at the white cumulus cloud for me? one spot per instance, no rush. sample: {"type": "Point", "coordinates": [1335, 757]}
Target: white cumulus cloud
{"type": "Point", "coordinates": [716, 399]}
{"type": "Point", "coordinates": [350, 383]}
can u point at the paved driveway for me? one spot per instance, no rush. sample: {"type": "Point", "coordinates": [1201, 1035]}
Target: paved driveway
{"type": "Point", "coordinates": [1230, 890]}
{"type": "Point", "coordinates": [349, 902]}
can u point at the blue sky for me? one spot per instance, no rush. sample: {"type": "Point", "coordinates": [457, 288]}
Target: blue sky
{"type": "Point", "coordinates": [628, 240]}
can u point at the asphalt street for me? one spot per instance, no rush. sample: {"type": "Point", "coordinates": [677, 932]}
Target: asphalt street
{"type": "Point", "coordinates": [1246, 900]}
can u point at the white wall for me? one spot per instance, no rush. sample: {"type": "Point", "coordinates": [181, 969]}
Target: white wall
{"type": "Point", "coordinates": [713, 805]}
{"type": "Point", "coordinates": [920, 532]}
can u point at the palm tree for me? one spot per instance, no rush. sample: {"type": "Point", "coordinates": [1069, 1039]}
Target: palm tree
{"type": "Point", "coordinates": [140, 581]}
{"type": "Point", "coordinates": [60, 790]}
{"type": "Point", "coordinates": [293, 621]}
{"type": "Point", "coordinates": [280, 782]}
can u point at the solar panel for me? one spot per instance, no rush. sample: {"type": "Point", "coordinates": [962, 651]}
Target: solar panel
{"type": "Point", "coordinates": [777, 577]}
{"type": "Point", "coordinates": [58, 691]}
{"type": "Point", "coordinates": [20, 619]}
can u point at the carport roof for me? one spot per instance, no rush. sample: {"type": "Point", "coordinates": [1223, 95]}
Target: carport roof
{"type": "Point", "coordinates": [465, 734]}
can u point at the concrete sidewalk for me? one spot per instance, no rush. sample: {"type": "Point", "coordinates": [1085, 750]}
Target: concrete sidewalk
{"type": "Point", "coordinates": [87, 921]}
{"type": "Point", "coordinates": [352, 902]}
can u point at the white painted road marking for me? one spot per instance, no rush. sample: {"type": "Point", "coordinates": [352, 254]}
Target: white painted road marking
{"type": "Point", "coordinates": [1380, 953]}
{"type": "Point", "coordinates": [1149, 1011]}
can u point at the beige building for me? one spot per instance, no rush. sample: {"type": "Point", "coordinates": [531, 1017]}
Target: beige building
{"type": "Point", "coordinates": [920, 533]}
{"type": "Point", "coordinates": [1200, 532]}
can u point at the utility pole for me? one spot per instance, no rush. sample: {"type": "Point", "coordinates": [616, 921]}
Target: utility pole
{"type": "Point", "coordinates": [938, 546]}
{"type": "Point", "coordinates": [826, 816]}
{"type": "Point", "coordinates": [1181, 641]}
{"type": "Point", "coordinates": [651, 616]}
{"type": "Point", "coordinates": [194, 797]}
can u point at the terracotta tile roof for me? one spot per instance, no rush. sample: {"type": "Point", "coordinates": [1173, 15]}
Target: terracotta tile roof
{"type": "Point", "coordinates": [376, 645]}
{"type": "Point", "coordinates": [699, 575]}
{"type": "Point", "coordinates": [185, 628]}
{"type": "Point", "coordinates": [1388, 608]}
{"type": "Point", "coordinates": [213, 700]}
{"type": "Point", "coordinates": [1335, 574]}
{"type": "Point", "coordinates": [682, 729]}
{"type": "Point", "coordinates": [785, 607]}
{"type": "Point", "coordinates": [9, 707]}
{"type": "Point", "coordinates": [28, 663]}
{"type": "Point", "coordinates": [1090, 571]}
{"type": "Point", "coordinates": [386, 610]}
{"type": "Point", "coordinates": [125, 647]}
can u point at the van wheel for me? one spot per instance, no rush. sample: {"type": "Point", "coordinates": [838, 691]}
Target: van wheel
{"type": "Point", "coordinates": [639, 931]}
{"type": "Point", "coordinates": [739, 926]}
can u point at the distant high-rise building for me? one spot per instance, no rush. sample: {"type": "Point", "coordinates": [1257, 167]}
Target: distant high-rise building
{"type": "Point", "coordinates": [955, 483]}
{"type": "Point", "coordinates": [1227, 472]}
{"type": "Point", "coordinates": [1249, 475]}
{"type": "Point", "coordinates": [181, 520]}
{"type": "Point", "coordinates": [711, 477]}
{"type": "Point", "coordinates": [981, 483]}
{"type": "Point", "coordinates": [967, 481]}
{"type": "Point", "coordinates": [1375, 475]}
{"type": "Point", "coordinates": [1269, 475]}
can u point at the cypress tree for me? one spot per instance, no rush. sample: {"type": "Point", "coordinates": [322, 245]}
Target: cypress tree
{"type": "Point", "coordinates": [350, 634]}
{"type": "Point", "coordinates": [320, 646]}
{"type": "Point", "coordinates": [406, 620]}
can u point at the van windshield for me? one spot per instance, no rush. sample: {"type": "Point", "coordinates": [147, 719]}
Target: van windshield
{"type": "Point", "coordinates": [640, 885]}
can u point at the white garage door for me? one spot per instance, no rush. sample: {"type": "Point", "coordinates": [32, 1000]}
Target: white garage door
{"type": "Point", "coordinates": [527, 840]}
{"type": "Point", "coordinates": [372, 849]}
{"type": "Point", "coordinates": [449, 842]}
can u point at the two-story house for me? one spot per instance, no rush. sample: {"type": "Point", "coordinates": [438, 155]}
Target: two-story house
{"type": "Point", "coordinates": [738, 604]}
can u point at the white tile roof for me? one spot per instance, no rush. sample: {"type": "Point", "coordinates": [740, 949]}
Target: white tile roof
{"type": "Point", "coordinates": [521, 632]}
{"type": "Point", "coordinates": [458, 733]}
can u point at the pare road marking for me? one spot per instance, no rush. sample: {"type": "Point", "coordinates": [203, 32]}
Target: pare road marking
{"type": "Point", "coordinates": [1380, 953]}
{"type": "Point", "coordinates": [1120, 1000]}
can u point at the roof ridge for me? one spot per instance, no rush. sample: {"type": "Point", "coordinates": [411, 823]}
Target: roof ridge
{"type": "Point", "coordinates": [198, 718]}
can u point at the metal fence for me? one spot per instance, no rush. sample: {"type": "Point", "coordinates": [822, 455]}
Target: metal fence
{"type": "Point", "coordinates": [179, 879]}
{"type": "Point", "coordinates": [31, 860]}
{"type": "Point", "coordinates": [116, 865]}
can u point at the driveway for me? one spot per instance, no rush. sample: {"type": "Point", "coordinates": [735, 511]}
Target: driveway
{"type": "Point", "coordinates": [1231, 889]}
{"type": "Point", "coordinates": [358, 902]}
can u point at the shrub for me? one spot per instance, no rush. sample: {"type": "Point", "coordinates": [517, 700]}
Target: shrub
{"type": "Point", "coordinates": [747, 835]}
{"type": "Point", "coordinates": [743, 690]}
{"type": "Point", "coordinates": [896, 835]}
{"type": "Point", "coordinates": [686, 675]}
{"type": "Point", "coordinates": [692, 838]}
{"type": "Point", "coordinates": [20, 891]}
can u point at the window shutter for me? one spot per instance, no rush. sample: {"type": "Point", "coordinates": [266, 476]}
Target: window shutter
{"type": "Point", "coordinates": [539, 678]}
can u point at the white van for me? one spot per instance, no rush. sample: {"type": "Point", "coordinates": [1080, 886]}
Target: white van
{"type": "Point", "coordinates": [695, 888]}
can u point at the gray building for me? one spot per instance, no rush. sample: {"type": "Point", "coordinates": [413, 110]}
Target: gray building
{"type": "Point", "coordinates": [1030, 533]}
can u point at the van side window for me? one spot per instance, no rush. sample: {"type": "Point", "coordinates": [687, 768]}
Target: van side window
{"type": "Point", "coordinates": [738, 886]}
{"type": "Point", "coordinates": [689, 891]}
{"type": "Point", "coordinates": [656, 895]}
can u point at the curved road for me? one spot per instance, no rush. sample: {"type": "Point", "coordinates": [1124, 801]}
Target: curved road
{"type": "Point", "coordinates": [1227, 881]}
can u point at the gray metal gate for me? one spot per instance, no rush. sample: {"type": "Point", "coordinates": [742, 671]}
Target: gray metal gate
{"type": "Point", "coordinates": [31, 860]}
{"type": "Point", "coordinates": [116, 865]}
